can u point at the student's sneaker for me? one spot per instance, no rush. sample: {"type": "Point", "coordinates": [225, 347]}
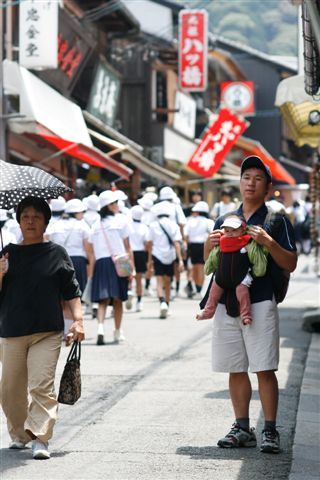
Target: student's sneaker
{"type": "Point", "coordinates": [118, 336]}
{"type": "Point", "coordinates": [270, 442]}
{"type": "Point", "coordinates": [129, 300]}
{"type": "Point", "coordinates": [40, 450]}
{"type": "Point", "coordinates": [100, 339]}
{"type": "Point", "coordinates": [17, 445]}
{"type": "Point", "coordinates": [237, 437]}
{"type": "Point", "coordinates": [163, 310]}
{"type": "Point", "coordinates": [189, 291]}
{"type": "Point", "coordinates": [139, 306]}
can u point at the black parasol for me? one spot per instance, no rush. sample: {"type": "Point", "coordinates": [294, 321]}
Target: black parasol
{"type": "Point", "coordinates": [18, 182]}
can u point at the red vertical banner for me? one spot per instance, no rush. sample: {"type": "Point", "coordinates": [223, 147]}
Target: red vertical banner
{"type": "Point", "coordinates": [193, 50]}
{"type": "Point", "coordinates": [216, 143]}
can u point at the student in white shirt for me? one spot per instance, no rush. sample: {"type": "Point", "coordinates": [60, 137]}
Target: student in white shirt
{"type": "Point", "coordinates": [73, 233]}
{"type": "Point", "coordinates": [164, 247]}
{"type": "Point", "coordinates": [197, 231]}
{"type": "Point", "coordinates": [138, 242]}
{"type": "Point", "coordinates": [225, 205]}
{"type": "Point", "coordinates": [110, 236]}
{"type": "Point", "coordinates": [91, 215]}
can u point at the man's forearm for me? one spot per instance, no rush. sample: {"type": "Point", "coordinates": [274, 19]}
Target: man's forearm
{"type": "Point", "coordinates": [283, 258]}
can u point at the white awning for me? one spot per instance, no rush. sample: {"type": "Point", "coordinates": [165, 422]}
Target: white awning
{"type": "Point", "coordinates": [177, 147]}
{"type": "Point", "coordinates": [41, 104]}
{"type": "Point", "coordinates": [292, 90]}
{"type": "Point", "coordinates": [136, 158]}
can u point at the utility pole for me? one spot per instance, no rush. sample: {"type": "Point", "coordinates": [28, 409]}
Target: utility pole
{"type": "Point", "coordinates": [3, 124]}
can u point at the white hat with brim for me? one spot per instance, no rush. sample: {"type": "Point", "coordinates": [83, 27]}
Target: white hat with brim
{"type": "Point", "coordinates": [162, 208]}
{"type": "Point", "coordinates": [92, 202]}
{"type": "Point", "coordinates": [201, 206]}
{"type": "Point", "coordinates": [145, 202]}
{"type": "Point", "coordinates": [74, 206]}
{"type": "Point", "coordinates": [233, 222]}
{"type": "Point", "coordinates": [107, 197]}
{"type": "Point", "coordinates": [57, 204]}
{"type": "Point", "coordinates": [166, 193]}
{"type": "Point", "coordinates": [121, 195]}
{"type": "Point", "coordinates": [137, 212]}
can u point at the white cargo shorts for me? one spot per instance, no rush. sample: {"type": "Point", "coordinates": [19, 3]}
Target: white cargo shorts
{"type": "Point", "coordinates": [239, 348]}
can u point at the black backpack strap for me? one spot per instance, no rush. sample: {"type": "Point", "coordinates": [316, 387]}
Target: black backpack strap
{"type": "Point", "coordinates": [167, 235]}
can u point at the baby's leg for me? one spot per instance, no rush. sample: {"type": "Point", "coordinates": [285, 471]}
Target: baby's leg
{"type": "Point", "coordinates": [243, 297]}
{"type": "Point", "coordinates": [212, 302]}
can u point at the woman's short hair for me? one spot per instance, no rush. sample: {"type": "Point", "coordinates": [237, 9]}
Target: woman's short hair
{"type": "Point", "coordinates": [38, 204]}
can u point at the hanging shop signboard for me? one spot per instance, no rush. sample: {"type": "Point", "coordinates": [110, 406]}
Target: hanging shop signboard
{"type": "Point", "coordinates": [193, 50]}
{"type": "Point", "coordinates": [104, 95]}
{"type": "Point", "coordinates": [216, 143]}
{"type": "Point", "coordinates": [38, 34]}
{"type": "Point", "coordinates": [238, 96]}
{"type": "Point", "coordinates": [184, 120]}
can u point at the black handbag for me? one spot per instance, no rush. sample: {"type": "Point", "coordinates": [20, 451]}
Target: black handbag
{"type": "Point", "coordinates": [70, 383]}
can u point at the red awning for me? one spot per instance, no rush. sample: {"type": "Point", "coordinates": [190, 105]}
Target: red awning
{"type": "Point", "coordinates": [90, 155]}
{"type": "Point", "coordinates": [253, 147]}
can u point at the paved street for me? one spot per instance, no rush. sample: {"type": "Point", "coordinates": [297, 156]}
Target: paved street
{"type": "Point", "coordinates": [152, 409]}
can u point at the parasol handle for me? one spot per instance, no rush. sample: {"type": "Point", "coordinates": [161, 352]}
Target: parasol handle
{"type": "Point", "coordinates": [1, 241]}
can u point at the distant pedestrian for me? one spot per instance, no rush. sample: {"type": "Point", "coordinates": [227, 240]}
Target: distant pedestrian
{"type": "Point", "coordinates": [110, 237]}
{"type": "Point", "coordinates": [235, 347]}
{"type": "Point", "coordinates": [138, 242]}
{"type": "Point", "coordinates": [164, 247]}
{"type": "Point", "coordinates": [92, 204]}
{"type": "Point", "coordinates": [34, 277]}
{"type": "Point", "coordinates": [225, 205]}
{"type": "Point", "coordinates": [196, 232]}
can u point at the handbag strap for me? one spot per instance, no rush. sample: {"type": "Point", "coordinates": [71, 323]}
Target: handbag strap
{"type": "Point", "coordinates": [106, 239]}
{"type": "Point", "coordinates": [167, 235]}
{"type": "Point", "coordinates": [75, 351]}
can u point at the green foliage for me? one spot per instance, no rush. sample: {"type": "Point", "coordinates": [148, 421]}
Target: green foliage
{"type": "Point", "coordinates": [267, 25]}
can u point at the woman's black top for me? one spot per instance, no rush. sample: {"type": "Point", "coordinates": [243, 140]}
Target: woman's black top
{"type": "Point", "coordinates": [39, 277]}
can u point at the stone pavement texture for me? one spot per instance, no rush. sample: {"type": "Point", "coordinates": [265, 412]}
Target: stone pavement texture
{"type": "Point", "coordinates": [151, 409]}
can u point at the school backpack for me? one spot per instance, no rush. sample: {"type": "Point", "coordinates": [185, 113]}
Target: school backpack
{"type": "Point", "coordinates": [280, 277]}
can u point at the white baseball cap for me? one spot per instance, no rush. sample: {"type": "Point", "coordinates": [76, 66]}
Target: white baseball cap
{"type": "Point", "coordinates": [106, 197]}
{"type": "Point", "coordinates": [233, 222]}
{"type": "Point", "coordinates": [152, 195]}
{"type": "Point", "coordinates": [74, 206]}
{"type": "Point", "coordinates": [200, 206]}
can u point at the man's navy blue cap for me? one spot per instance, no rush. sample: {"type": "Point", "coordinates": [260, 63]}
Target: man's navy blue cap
{"type": "Point", "coordinates": [255, 162]}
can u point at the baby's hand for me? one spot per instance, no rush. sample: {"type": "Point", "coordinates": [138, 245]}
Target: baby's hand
{"type": "Point", "coordinates": [200, 317]}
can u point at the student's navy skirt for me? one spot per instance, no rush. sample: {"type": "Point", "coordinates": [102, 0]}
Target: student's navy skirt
{"type": "Point", "coordinates": [106, 283]}
{"type": "Point", "coordinates": [80, 267]}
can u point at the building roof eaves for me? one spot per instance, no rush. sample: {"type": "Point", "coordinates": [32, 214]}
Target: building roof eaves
{"type": "Point", "coordinates": [214, 39]}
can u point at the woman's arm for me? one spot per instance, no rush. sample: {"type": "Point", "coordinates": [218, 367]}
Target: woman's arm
{"type": "Point", "coordinates": [90, 256]}
{"type": "Point", "coordinates": [3, 267]}
{"type": "Point", "coordinates": [76, 331]}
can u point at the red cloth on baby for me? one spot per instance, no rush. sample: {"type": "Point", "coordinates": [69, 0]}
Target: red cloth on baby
{"type": "Point", "coordinates": [233, 244]}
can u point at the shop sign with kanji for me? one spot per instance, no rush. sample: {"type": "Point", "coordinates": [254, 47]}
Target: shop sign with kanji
{"type": "Point", "coordinates": [38, 34]}
{"type": "Point", "coordinates": [193, 50]}
{"type": "Point", "coordinates": [216, 143]}
{"type": "Point", "coordinates": [104, 94]}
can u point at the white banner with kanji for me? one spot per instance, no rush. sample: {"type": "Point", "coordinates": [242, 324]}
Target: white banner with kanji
{"type": "Point", "coordinates": [216, 143]}
{"type": "Point", "coordinates": [38, 34]}
{"type": "Point", "coordinates": [193, 50]}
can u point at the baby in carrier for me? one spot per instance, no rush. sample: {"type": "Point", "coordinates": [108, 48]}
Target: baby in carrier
{"type": "Point", "coordinates": [232, 262]}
